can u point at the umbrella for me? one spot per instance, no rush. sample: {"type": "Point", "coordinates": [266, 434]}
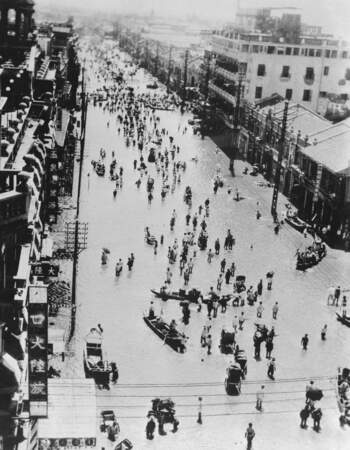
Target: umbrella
{"type": "Point", "coordinates": [106, 250]}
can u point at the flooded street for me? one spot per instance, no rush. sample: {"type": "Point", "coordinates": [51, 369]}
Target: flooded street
{"type": "Point", "coordinates": [147, 367]}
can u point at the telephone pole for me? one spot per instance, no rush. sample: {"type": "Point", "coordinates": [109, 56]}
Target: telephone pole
{"type": "Point", "coordinates": [185, 78]}
{"type": "Point", "coordinates": [279, 163]}
{"type": "Point", "coordinates": [235, 133]}
{"type": "Point", "coordinates": [156, 63]}
{"type": "Point", "coordinates": [169, 68]}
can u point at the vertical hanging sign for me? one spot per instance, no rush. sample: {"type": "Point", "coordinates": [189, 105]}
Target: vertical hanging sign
{"type": "Point", "coordinates": [37, 351]}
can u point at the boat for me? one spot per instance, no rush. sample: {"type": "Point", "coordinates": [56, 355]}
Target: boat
{"type": "Point", "coordinates": [181, 295]}
{"type": "Point", "coordinates": [95, 366]}
{"type": "Point", "coordinates": [153, 85]}
{"type": "Point", "coordinates": [304, 262]}
{"type": "Point", "coordinates": [345, 320]}
{"type": "Point", "coordinates": [173, 338]}
{"type": "Point", "coordinates": [297, 223]}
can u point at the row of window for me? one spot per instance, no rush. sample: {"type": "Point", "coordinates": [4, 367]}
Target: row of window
{"type": "Point", "coordinates": [294, 51]}
{"type": "Point", "coordinates": [307, 94]}
{"type": "Point", "coordinates": [309, 72]}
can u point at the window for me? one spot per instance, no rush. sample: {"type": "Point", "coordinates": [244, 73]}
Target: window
{"type": "Point", "coordinates": [289, 94]}
{"type": "Point", "coordinates": [347, 74]}
{"type": "Point", "coordinates": [307, 95]}
{"type": "Point", "coordinates": [288, 50]}
{"type": "Point", "coordinates": [309, 74]}
{"type": "Point", "coordinates": [326, 71]}
{"type": "Point", "coordinates": [327, 53]}
{"type": "Point", "coordinates": [245, 48]}
{"type": "Point", "coordinates": [285, 72]}
{"type": "Point", "coordinates": [334, 54]}
{"type": "Point", "coordinates": [255, 49]}
{"type": "Point", "coordinates": [311, 52]}
{"type": "Point", "coordinates": [323, 94]}
{"type": "Point", "coordinates": [318, 52]}
{"type": "Point", "coordinates": [258, 92]}
{"type": "Point", "coordinates": [261, 70]}
{"type": "Point", "coordinates": [296, 51]}
{"type": "Point", "coordinates": [271, 49]}
{"type": "Point", "coordinates": [344, 54]}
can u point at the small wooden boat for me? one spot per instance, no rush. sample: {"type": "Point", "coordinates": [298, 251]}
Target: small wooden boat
{"type": "Point", "coordinates": [171, 337]}
{"type": "Point", "coordinates": [345, 320]}
{"type": "Point", "coordinates": [181, 295]}
{"type": "Point", "coordinates": [297, 223]}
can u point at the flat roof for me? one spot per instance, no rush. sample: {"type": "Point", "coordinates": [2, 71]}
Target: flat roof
{"type": "Point", "coordinates": [71, 409]}
{"type": "Point", "coordinates": [333, 153]}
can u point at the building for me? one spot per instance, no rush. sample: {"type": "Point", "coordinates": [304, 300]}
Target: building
{"type": "Point", "coordinates": [35, 166]}
{"type": "Point", "coordinates": [307, 70]}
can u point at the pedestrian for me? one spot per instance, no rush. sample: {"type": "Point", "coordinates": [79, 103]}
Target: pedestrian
{"type": "Point", "coordinates": [269, 347]}
{"type": "Point", "coordinates": [259, 398]}
{"type": "Point", "coordinates": [249, 434]}
{"type": "Point", "coordinates": [161, 239]}
{"type": "Point", "coordinates": [188, 218]}
{"type": "Point", "coordinates": [305, 341]}
{"type": "Point", "coordinates": [271, 367]}
{"type": "Point", "coordinates": [204, 335]}
{"type": "Point", "coordinates": [223, 265]}
{"type": "Point", "coordinates": [235, 324]}
{"type": "Point", "coordinates": [259, 310]}
{"type": "Point", "coordinates": [155, 247]}
{"type": "Point", "coordinates": [269, 277]}
{"type": "Point", "coordinates": [275, 309]}
{"type": "Point", "coordinates": [209, 306]}
{"type": "Point", "coordinates": [258, 214]}
{"type": "Point", "coordinates": [317, 415]}
{"type": "Point", "coordinates": [217, 246]}
{"type": "Point", "coordinates": [115, 373]}
{"type": "Point", "coordinates": [336, 296]}
{"type": "Point", "coordinates": [227, 276]}
{"type": "Point", "coordinates": [150, 427]}
{"type": "Point", "coordinates": [209, 343]}
{"type": "Point", "coordinates": [259, 288]}
{"type": "Point", "coordinates": [186, 276]}
{"type": "Point", "coordinates": [233, 269]}
{"type": "Point", "coordinates": [241, 320]}
{"type": "Point", "coordinates": [210, 255]}
{"type": "Point", "coordinates": [304, 414]}
{"type": "Point", "coordinates": [219, 282]}
{"type": "Point", "coordinates": [323, 333]}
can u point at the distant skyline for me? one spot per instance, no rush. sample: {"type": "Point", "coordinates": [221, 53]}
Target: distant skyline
{"type": "Point", "coordinates": [332, 15]}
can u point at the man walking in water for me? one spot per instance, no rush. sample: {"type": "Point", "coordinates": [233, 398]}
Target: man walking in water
{"type": "Point", "coordinates": [250, 434]}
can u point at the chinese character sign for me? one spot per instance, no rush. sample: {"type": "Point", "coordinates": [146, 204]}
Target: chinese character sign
{"type": "Point", "coordinates": [37, 350]}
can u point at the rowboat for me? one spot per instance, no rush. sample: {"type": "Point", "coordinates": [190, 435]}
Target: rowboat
{"type": "Point", "coordinates": [345, 320]}
{"type": "Point", "coordinates": [171, 337]}
{"type": "Point", "coordinates": [180, 295]}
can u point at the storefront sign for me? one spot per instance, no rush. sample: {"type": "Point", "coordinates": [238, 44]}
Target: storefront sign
{"type": "Point", "coordinates": [48, 444]}
{"type": "Point", "coordinates": [37, 350]}
{"type": "Point", "coordinates": [45, 269]}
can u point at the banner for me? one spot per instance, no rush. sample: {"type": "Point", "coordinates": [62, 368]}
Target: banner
{"type": "Point", "coordinates": [37, 351]}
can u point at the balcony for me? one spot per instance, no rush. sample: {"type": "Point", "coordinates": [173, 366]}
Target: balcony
{"type": "Point", "coordinates": [222, 93]}
{"type": "Point", "coordinates": [226, 73]}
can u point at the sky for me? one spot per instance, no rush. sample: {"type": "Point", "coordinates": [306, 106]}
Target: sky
{"type": "Point", "coordinates": [333, 15]}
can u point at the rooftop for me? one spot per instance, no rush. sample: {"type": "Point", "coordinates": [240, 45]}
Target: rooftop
{"type": "Point", "coordinates": [333, 152]}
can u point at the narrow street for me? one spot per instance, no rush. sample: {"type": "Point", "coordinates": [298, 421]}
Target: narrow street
{"type": "Point", "coordinates": [148, 368]}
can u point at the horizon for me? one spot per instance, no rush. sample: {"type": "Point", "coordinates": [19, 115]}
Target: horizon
{"type": "Point", "coordinates": [334, 17]}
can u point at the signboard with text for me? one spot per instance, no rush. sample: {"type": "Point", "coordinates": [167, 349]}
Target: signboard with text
{"type": "Point", "coordinates": [45, 269]}
{"type": "Point", "coordinates": [37, 350]}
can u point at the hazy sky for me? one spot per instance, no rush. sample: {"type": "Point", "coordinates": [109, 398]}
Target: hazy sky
{"type": "Point", "coordinates": [333, 15]}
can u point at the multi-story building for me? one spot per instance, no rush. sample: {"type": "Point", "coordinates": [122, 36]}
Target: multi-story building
{"type": "Point", "coordinates": [309, 71]}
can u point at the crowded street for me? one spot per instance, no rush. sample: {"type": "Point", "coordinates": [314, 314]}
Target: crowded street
{"type": "Point", "coordinates": [122, 214]}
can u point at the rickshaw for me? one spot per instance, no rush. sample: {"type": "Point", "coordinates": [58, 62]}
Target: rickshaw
{"type": "Point", "coordinates": [100, 169]}
{"type": "Point", "coordinates": [255, 171]}
{"type": "Point", "coordinates": [239, 284]}
{"type": "Point", "coordinates": [241, 359]}
{"type": "Point", "coordinates": [163, 410]}
{"type": "Point", "coordinates": [233, 379]}
{"type": "Point", "coordinates": [109, 424]}
{"type": "Point", "coordinates": [227, 342]}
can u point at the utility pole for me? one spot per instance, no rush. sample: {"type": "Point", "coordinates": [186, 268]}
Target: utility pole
{"type": "Point", "coordinates": [185, 78]}
{"type": "Point", "coordinates": [236, 122]}
{"type": "Point", "coordinates": [169, 69]}
{"type": "Point", "coordinates": [146, 55]}
{"type": "Point", "coordinates": [156, 64]}
{"type": "Point", "coordinates": [207, 76]}
{"type": "Point", "coordinates": [279, 163]}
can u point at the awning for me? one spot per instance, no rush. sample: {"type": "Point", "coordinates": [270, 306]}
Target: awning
{"type": "Point", "coordinates": [46, 248]}
{"type": "Point", "coordinates": [23, 265]}
{"type": "Point", "coordinates": [10, 374]}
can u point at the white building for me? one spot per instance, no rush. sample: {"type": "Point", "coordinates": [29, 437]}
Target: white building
{"type": "Point", "coordinates": [310, 73]}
